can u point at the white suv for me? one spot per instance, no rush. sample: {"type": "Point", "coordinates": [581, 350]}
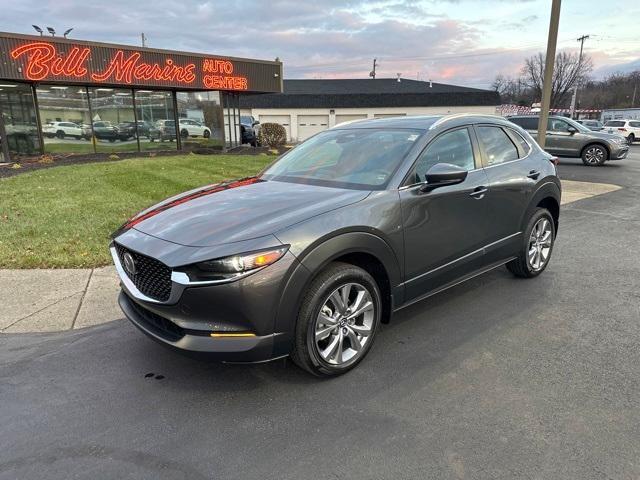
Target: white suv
{"type": "Point", "coordinates": [628, 128]}
{"type": "Point", "coordinates": [63, 129]}
{"type": "Point", "coordinates": [193, 128]}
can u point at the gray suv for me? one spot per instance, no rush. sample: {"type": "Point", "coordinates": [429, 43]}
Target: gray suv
{"type": "Point", "coordinates": [567, 138]}
{"type": "Point", "coordinates": [309, 257]}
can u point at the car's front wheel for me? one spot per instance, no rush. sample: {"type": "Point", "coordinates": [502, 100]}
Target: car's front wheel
{"type": "Point", "coordinates": [537, 245]}
{"type": "Point", "coordinates": [338, 319]}
{"type": "Point", "coordinates": [594, 155]}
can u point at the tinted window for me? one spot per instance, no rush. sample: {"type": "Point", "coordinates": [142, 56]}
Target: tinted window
{"type": "Point", "coordinates": [634, 124]}
{"type": "Point", "coordinates": [528, 123]}
{"type": "Point", "coordinates": [614, 123]}
{"type": "Point", "coordinates": [521, 141]}
{"type": "Point", "coordinates": [497, 145]}
{"type": "Point", "coordinates": [451, 147]}
{"type": "Point", "coordinates": [351, 158]}
{"type": "Point", "coordinates": [557, 125]}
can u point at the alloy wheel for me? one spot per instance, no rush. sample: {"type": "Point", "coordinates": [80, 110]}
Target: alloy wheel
{"type": "Point", "coordinates": [345, 324]}
{"type": "Point", "coordinates": [594, 155]}
{"type": "Point", "coordinates": [540, 242]}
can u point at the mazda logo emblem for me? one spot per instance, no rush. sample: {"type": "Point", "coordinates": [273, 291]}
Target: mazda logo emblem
{"type": "Point", "coordinates": [129, 264]}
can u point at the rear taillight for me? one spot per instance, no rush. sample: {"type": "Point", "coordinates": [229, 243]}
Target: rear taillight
{"type": "Point", "coordinates": [622, 129]}
{"type": "Point", "coordinates": [554, 160]}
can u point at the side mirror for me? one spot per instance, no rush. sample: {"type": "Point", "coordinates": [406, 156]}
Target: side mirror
{"type": "Point", "coordinates": [255, 123]}
{"type": "Point", "coordinates": [571, 129]}
{"type": "Point", "coordinates": [443, 174]}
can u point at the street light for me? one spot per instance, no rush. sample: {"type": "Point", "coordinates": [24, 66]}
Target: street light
{"type": "Point", "coordinates": [51, 31]}
{"type": "Point", "coordinates": [38, 29]}
{"type": "Point", "coordinates": [67, 33]}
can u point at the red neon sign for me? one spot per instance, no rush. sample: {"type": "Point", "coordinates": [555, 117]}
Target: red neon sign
{"type": "Point", "coordinates": [43, 61]}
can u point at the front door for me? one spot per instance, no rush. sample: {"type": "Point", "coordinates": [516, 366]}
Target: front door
{"type": "Point", "coordinates": [444, 229]}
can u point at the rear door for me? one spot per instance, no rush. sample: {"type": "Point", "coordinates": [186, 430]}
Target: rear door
{"type": "Point", "coordinates": [444, 229]}
{"type": "Point", "coordinates": [512, 173]}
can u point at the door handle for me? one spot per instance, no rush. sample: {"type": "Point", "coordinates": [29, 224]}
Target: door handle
{"type": "Point", "coordinates": [534, 174]}
{"type": "Point", "coordinates": [479, 192]}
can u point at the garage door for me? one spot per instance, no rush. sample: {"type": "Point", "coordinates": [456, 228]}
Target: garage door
{"type": "Point", "coordinates": [309, 125]}
{"type": "Point", "coordinates": [348, 118]}
{"type": "Point", "coordinates": [284, 120]}
{"type": "Point", "coordinates": [389, 115]}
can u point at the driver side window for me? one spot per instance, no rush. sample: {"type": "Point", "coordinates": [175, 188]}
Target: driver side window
{"type": "Point", "coordinates": [452, 147]}
{"type": "Point", "coordinates": [557, 125]}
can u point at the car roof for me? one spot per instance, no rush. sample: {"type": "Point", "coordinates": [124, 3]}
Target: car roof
{"type": "Point", "coordinates": [423, 122]}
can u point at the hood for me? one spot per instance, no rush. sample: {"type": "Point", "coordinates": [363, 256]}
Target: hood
{"type": "Point", "coordinates": [239, 210]}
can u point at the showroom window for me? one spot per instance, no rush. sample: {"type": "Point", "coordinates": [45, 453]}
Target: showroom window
{"type": "Point", "coordinates": [156, 120]}
{"type": "Point", "coordinates": [19, 118]}
{"type": "Point", "coordinates": [200, 121]}
{"type": "Point", "coordinates": [114, 122]}
{"type": "Point", "coordinates": [65, 118]}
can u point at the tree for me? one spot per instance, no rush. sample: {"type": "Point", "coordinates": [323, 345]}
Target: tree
{"type": "Point", "coordinates": [568, 72]}
{"type": "Point", "coordinates": [512, 90]}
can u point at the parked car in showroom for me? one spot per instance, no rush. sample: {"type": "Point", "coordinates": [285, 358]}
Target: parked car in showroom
{"type": "Point", "coordinates": [127, 130]}
{"type": "Point", "coordinates": [163, 130]}
{"type": "Point", "coordinates": [593, 125]}
{"type": "Point", "coordinates": [193, 128]}
{"type": "Point", "coordinates": [249, 128]}
{"type": "Point", "coordinates": [310, 256]}
{"type": "Point", "coordinates": [62, 130]}
{"type": "Point", "coordinates": [567, 138]}
{"type": "Point", "coordinates": [630, 129]}
{"type": "Point", "coordinates": [104, 130]}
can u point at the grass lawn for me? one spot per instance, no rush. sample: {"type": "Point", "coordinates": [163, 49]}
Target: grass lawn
{"type": "Point", "coordinates": [62, 217]}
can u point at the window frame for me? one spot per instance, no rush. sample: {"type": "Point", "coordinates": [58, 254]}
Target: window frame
{"type": "Point", "coordinates": [484, 154]}
{"type": "Point", "coordinates": [514, 134]}
{"type": "Point", "coordinates": [475, 150]}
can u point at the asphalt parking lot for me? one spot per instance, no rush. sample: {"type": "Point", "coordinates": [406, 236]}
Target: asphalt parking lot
{"type": "Point", "coordinates": [495, 378]}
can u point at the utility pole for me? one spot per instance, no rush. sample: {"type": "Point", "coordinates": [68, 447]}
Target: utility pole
{"type": "Point", "coordinates": [144, 39]}
{"type": "Point", "coordinates": [575, 88]}
{"type": "Point", "coordinates": [633, 98]}
{"type": "Point", "coordinates": [548, 71]}
{"type": "Point", "coordinates": [372, 74]}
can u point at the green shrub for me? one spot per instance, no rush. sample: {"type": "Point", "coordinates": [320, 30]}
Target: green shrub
{"type": "Point", "coordinates": [272, 135]}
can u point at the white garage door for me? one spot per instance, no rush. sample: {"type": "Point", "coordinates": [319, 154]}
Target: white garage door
{"type": "Point", "coordinates": [284, 120]}
{"type": "Point", "coordinates": [389, 115]}
{"type": "Point", "coordinates": [348, 118]}
{"type": "Point", "coordinates": [309, 125]}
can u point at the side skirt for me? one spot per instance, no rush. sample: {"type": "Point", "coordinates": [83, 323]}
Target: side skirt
{"type": "Point", "coordinates": [455, 282]}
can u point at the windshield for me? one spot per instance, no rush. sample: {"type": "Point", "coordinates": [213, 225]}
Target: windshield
{"type": "Point", "coordinates": [353, 158]}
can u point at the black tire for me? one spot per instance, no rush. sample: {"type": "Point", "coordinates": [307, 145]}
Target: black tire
{"type": "Point", "coordinates": [184, 134]}
{"type": "Point", "coordinates": [631, 138]}
{"type": "Point", "coordinates": [305, 353]}
{"type": "Point", "coordinates": [521, 266]}
{"type": "Point", "coordinates": [206, 134]}
{"type": "Point", "coordinates": [78, 137]}
{"type": "Point", "coordinates": [60, 134]}
{"type": "Point", "coordinates": [594, 155]}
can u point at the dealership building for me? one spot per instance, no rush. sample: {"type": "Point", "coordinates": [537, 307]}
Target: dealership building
{"type": "Point", "coordinates": [306, 107]}
{"type": "Point", "coordinates": [59, 95]}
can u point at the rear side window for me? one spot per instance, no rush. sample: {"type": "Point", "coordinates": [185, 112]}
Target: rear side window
{"type": "Point", "coordinates": [614, 123]}
{"type": "Point", "coordinates": [528, 123]}
{"type": "Point", "coordinates": [524, 145]}
{"type": "Point", "coordinates": [634, 124]}
{"type": "Point", "coordinates": [497, 145]}
{"type": "Point", "coordinates": [451, 147]}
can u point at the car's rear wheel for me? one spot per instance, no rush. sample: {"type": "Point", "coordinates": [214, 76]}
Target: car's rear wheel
{"type": "Point", "coordinates": [631, 138]}
{"type": "Point", "coordinates": [537, 245]}
{"type": "Point", "coordinates": [338, 319]}
{"type": "Point", "coordinates": [60, 134]}
{"type": "Point", "coordinates": [594, 155]}
{"type": "Point", "coordinates": [184, 133]}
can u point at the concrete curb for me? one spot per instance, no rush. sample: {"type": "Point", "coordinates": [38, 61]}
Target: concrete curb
{"type": "Point", "coordinates": [58, 300]}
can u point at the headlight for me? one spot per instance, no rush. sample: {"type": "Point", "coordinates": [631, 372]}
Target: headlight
{"type": "Point", "coordinates": [228, 268]}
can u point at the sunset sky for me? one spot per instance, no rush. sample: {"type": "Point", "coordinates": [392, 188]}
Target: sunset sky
{"type": "Point", "coordinates": [463, 42]}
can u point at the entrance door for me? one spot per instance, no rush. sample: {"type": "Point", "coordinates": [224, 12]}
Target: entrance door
{"type": "Point", "coordinates": [19, 116]}
{"type": "Point", "coordinates": [445, 229]}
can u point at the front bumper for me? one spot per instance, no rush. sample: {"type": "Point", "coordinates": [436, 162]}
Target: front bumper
{"type": "Point", "coordinates": [232, 321]}
{"type": "Point", "coordinates": [619, 151]}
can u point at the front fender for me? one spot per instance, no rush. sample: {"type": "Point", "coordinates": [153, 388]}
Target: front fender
{"type": "Point", "coordinates": [314, 259]}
